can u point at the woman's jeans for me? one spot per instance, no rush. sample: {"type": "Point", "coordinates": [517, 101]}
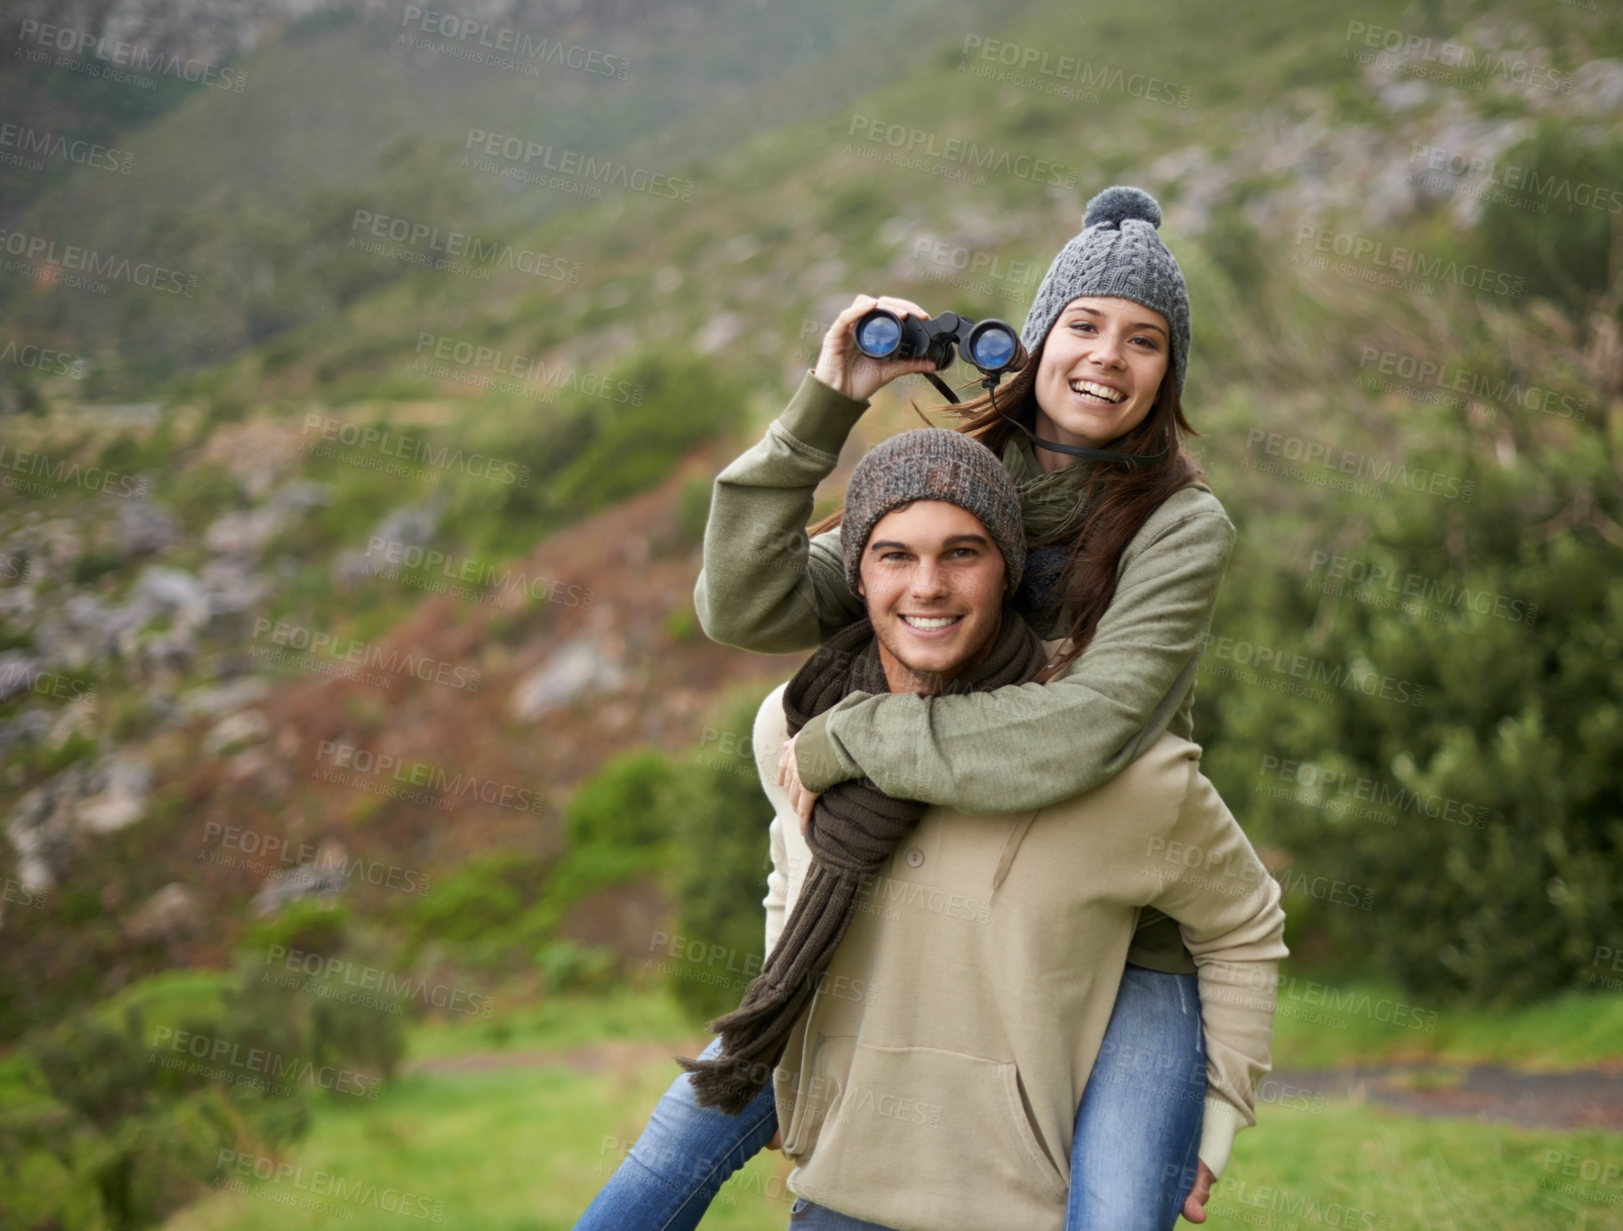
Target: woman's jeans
{"type": "Point", "coordinates": [680, 1162]}
{"type": "Point", "coordinates": [1132, 1157]}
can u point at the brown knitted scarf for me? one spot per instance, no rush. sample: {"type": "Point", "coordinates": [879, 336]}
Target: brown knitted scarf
{"type": "Point", "coordinates": [853, 830]}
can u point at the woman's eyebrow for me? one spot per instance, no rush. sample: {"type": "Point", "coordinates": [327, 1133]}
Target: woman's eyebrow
{"type": "Point", "coordinates": [1134, 325]}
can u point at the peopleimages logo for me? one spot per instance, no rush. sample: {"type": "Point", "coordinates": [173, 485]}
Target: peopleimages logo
{"type": "Point", "coordinates": [43, 359]}
{"type": "Point", "coordinates": [1021, 61]}
{"type": "Point", "coordinates": [79, 259]}
{"type": "Point", "coordinates": [417, 449]}
{"type": "Point", "coordinates": [1509, 175]}
{"type": "Point", "coordinates": [1456, 56]}
{"type": "Point", "coordinates": [457, 250]}
{"type": "Point", "coordinates": [1315, 454]}
{"type": "Point", "coordinates": [525, 369]}
{"type": "Point", "coordinates": [133, 57]}
{"type": "Point", "coordinates": [31, 141]}
{"type": "Point", "coordinates": [1361, 678]}
{"type": "Point", "coordinates": [436, 778]}
{"type": "Point", "coordinates": [914, 143]}
{"type": "Point", "coordinates": [367, 655]}
{"type": "Point", "coordinates": [272, 849]}
{"type": "Point", "coordinates": [295, 1187]}
{"type": "Point", "coordinates": [532, 158]}
{"type": "Point", "coordinates": [358, 976]}
{"type": "Point", "coordinates": [1378, 254]}
{"type": "Point", "coordinates": [1369, 577]}
{"type": "Point", "coordinates": [58, 471]}
{"type": "Point", "coordinates": [255, 1067]}
{"type": "Point", "coordinates": [1335, 791]}
{"type": "Point", "coordinates": [1422, 375]}
{"type": "Point", "coordinates": [511, 49]}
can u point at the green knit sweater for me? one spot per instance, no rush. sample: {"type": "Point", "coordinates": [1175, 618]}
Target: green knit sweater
{"type": "Point", "coordinates": [766, 586]}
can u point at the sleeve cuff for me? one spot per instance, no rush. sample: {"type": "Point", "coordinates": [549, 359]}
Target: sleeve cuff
{"type": "Point", "coordinates": [1222, 1121]}
{"type": "Point", "coordinates": [817, 758]}
{"type": "Point", "coordinates": [820, 416]}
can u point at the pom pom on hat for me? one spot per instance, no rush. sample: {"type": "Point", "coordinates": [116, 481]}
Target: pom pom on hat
{"type": "Point", "coordinates": [1114, 206]}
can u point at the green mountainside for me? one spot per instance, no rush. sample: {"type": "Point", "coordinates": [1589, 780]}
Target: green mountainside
{"type": "Point", "coordinates": [407, 388]}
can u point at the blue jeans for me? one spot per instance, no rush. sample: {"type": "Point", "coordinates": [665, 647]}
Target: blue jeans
{"type": "Point", "coordinates": [680, 1162]}
{"type": "Point", "coordinates": [804, 1216]}
{"type": "Point", "coordinates": [1132, 1155]}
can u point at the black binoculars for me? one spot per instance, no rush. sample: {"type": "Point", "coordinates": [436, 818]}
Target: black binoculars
{"type": "Point", "coordinates": [991, 345]}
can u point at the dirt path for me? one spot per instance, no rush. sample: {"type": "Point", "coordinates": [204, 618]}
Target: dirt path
{"type": "Point", "coordinates": [1584, 1098]}
{"type": "Point", "coordinates": [597, 1058]}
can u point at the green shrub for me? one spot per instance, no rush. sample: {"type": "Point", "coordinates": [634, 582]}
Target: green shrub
{"type": "Point", "coordinates": [482, 898]}
{"type": "Point", "coordinates": [718, 868]}
{"type": "Point", "coordinates": [99, 1134]}
{"type": "Point", "coordinates": [693, 510]}
{"type": "Point", "coordinates": [671, 405]}
{"type": "Point", "coordinates": [1567, 254]}
{"type": "Point", "coordinates": [569, 966]}
{"type": "Point", "coordinates": [621, 805]}
{"type": "Point", "coordinates": [1484, 814]}
{"type": "Point", "coordinates": [306, 924]}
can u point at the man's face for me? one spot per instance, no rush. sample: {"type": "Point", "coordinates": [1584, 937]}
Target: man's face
{"type": "Point", "coordinates": [934, 583]}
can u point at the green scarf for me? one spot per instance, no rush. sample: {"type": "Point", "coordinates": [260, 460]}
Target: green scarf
{"type": "Point", "coordinates": [1052, 505]}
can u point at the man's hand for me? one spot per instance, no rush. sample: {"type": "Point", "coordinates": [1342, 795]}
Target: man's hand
{"type": "Point", "coordinates": [777, 1141]}
{"type": "Point", "coordinates": [800, 799]}
{"type": "Point", "coordinates": [1194, 1205]}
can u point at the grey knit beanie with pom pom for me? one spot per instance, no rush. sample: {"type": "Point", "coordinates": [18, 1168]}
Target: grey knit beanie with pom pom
{"type": "Point", "coordinates": [1116, 254]}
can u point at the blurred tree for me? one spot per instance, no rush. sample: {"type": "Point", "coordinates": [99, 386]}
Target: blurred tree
{"type": "Point", "coordinates": [1487, 816]}
{"type": "Point", "coordinates": [720, 857]}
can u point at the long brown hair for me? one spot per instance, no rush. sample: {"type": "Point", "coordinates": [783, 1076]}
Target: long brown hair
{"type": "Point", "coordinates": [1120, 495]}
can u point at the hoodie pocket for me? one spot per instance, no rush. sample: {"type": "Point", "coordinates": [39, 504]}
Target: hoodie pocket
{"type": "Point", "coordinates": [807, 1095]}
{"type": "Point", "coordinates": [949, 1122]}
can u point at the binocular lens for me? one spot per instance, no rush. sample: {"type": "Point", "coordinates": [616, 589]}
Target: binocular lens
{"type": "Point", "coordinates": [991, 347]}
{"type": "Point", "coordinates": [878, 335]}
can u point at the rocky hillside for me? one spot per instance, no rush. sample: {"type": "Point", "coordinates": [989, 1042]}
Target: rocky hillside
{"type": "Point", "coordinates": [270, 632]}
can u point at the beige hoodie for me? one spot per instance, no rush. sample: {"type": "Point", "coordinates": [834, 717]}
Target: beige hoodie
{"type": "Point", "coordinates": [932, 1084]}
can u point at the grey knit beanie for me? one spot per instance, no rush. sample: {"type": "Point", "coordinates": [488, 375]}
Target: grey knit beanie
{"type": "Point", "coordinates": [1117, 253]}
{"type": "Point", "coordinates": [933, 463]}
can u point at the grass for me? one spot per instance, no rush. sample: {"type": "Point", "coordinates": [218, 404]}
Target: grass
{"type": "Point", "coordinates": [1319, 1025]}
{"type": "Point", "coordinates": [527, 1146]}
{"type": "Point", "coordinates": [499, 1150]}
{"type": "Point", "coordinates": [561, 1024]}
{"type": "Point", "coordinates": [1362, 1167]}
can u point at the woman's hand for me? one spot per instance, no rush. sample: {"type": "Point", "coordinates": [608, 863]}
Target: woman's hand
{"type": "Point", "coordinates": [842, 366]}
{"type": "Point", "coordinates": [1194, 1205]}
{"type": "Point", "coordinates": [800, 799]}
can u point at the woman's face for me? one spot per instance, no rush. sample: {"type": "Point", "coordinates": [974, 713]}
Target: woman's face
{"type": "Point", "coordinates": [1101, 368]}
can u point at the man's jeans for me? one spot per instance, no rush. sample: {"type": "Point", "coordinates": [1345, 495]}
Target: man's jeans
{"type": "Point", "coordinates": [1132, 1158]}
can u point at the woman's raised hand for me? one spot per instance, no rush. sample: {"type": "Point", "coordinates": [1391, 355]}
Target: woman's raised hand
{"type": "Point", "coordinates": [843, 367]}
